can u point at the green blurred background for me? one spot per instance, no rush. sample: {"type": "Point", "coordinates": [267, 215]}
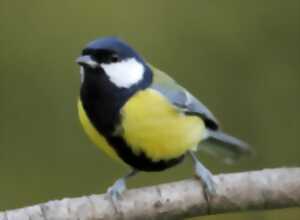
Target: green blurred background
{"type": "Point", "coordinates": [241, 58]}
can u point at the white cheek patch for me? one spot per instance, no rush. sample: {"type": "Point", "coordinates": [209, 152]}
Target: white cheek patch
{"type": "Point", "coordinates": [124, 74]}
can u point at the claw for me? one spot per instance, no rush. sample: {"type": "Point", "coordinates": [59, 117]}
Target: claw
{"type": "Point", "coordinates": [116, 190]}
{"type": "Point", "coordinates": [206, 178]}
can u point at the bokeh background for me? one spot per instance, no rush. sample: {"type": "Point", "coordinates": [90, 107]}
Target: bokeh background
{"type": "Point", "coordinates": [241, 58]}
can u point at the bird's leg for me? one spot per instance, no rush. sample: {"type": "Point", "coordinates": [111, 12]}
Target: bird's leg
{"type": "Point", "coordinates": [205, 175]}
{"type": "Point", "coordinates": [119, 186]}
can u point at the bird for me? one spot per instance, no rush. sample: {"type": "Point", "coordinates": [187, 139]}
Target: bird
{"type": "Point", "coordinates": [140, 116]}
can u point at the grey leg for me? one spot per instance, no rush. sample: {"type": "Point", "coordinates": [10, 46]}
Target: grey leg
{"type": "Point", "coordinates": [119, 186]}
{"type": "Point", "coordinates": [205, 175]}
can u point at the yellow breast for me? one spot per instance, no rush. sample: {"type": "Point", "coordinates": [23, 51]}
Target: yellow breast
{"type": "Point", "coordinates": [152, 125]}
{"type": "Point", "coordinates": [94, 135]}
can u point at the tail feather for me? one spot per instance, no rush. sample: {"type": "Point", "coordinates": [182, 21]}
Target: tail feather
{"type": "Point", "coordinates": [218, 142]}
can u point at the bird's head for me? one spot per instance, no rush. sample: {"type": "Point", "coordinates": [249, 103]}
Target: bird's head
{"type": "Point", "coordinates": [114, 61]}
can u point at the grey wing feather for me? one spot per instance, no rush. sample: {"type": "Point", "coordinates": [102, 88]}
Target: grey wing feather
{"type": "Point", "coordinates": [225, 146]}
{"type": "Point", "coordinates": [217, 142]}
{"type": "Point", "coordinates": [181, 98]}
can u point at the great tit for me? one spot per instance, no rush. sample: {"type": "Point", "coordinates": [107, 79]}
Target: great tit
{"type": "Point", "coordinates": [139, 115]}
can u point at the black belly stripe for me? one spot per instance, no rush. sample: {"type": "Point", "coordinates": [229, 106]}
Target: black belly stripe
{"type": "Point", "coordinates": [102, 102]}
{"type": "Point", "coordinates": [141, 161]}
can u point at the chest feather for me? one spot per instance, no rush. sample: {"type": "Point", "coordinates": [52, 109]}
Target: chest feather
{"type": "Point", "coordinates": [152, 125]}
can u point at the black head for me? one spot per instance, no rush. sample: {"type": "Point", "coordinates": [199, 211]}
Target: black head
{"type": "Point", "coordinates": [111, 72]}
{"type": "Point", "coordinates": [110, 50]}
{"type": "Point", "coordinates": [112, 57]}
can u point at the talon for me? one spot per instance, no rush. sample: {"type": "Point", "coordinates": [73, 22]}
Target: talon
{"type": "Point", "coordinates": [210, 188]}
{"type": "Point", "coordinates": [207, 180]}
{"type": "Point", "coordinates": [116, 190]}
{"type": "Point", "coordinates": [205, 176]}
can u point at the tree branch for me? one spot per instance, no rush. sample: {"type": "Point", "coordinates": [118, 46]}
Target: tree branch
{"type": "Point", "coordinates": [265, 189]}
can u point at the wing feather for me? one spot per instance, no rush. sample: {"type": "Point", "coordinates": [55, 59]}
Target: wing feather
{"type": "Point", "coordinates": [181, 98]}
{"type": "Point", "coordinates": [217, 142]}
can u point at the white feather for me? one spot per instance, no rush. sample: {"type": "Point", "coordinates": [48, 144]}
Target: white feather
{"type": "Point", "coordinates": [125, 73]}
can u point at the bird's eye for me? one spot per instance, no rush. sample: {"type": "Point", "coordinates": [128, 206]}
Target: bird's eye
{"type": "Point", "coordinates": [115, 58]}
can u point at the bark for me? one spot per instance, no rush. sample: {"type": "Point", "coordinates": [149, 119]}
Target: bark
{"type": "Point", "coordinates": [255, 190]}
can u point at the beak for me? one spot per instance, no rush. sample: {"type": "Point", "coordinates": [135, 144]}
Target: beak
{"type": "Point", "coordinates": [87, 60]}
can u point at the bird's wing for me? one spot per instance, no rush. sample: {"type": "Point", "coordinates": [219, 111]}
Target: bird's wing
{"type": "Point", "coordinates": [217, 143]}
{"type": "Point", "coordinates": [181, 98]}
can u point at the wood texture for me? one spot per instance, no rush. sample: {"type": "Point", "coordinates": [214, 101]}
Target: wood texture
{"type": "Point", "coordinates": [255, 190]}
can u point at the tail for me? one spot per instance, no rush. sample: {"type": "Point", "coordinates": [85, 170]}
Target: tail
{"type": "Point", "coordinates": [218, 143]}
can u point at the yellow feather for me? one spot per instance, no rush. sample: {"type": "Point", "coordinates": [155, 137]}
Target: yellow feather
{"type": "Point", "coordinates": [152, 125]}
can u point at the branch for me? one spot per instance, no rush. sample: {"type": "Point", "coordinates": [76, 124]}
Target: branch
{"type": "Point", "coordinates": [265, 189]}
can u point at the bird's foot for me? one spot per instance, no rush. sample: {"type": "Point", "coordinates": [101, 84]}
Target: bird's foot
{"type": "Point", "coordinates": [116, 190]}
{"type": "Point", "coordinates": [207, 179]}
